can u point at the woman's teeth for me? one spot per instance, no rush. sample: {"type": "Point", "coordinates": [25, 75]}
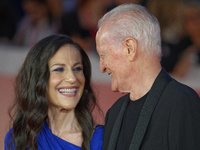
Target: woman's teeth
{"type": "Point", "coordinates": [68, 91]}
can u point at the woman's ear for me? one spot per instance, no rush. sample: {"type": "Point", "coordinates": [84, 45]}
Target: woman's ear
{"type": "Point", "coordinates": [131, 48]}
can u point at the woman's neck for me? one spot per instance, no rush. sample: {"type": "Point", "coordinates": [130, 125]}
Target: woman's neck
{"type": "Point", "coordinates": [65, 125]}
{"type": "Point", "coordinates": [62, 121]}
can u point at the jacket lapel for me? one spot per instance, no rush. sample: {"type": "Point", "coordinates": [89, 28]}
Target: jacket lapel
{"type": "Point", "coordinates": [117, 126]}
{"type": "Point", "coordinates": [153, 96]}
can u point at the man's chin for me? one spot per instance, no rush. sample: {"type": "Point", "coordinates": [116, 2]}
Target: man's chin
{"type": "Point", "coordinates": [114, 89]}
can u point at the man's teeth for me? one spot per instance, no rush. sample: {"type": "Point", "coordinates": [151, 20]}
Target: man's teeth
{"type": "Point", "coordinates": [68, 91]}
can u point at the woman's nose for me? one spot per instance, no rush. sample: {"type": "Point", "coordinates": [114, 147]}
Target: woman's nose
{"type": "Point", "coordinates": [70, 77]}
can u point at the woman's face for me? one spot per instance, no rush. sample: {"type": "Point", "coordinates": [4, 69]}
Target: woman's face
{"type": "Point", "coordinates": [66, 81]}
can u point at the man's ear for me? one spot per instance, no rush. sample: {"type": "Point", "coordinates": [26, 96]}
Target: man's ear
{"type": "Point", "coordinates": [131, 48]}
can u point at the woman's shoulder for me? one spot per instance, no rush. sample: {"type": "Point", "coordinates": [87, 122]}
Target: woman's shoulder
{"type": "Point", "coordinates": [97, 139]}
{"type": "Point", "coordinates": [8, 138]}
{"type": "Point", "coordinates": [99, 126]}
{"type": "Point", "coordinates": [9, 134]}
{"type": "Point", "coordinates": [98, 129]}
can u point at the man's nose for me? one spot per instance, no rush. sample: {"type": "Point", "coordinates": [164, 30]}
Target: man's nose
{"type": "Point", "coordinates": [102, 67]}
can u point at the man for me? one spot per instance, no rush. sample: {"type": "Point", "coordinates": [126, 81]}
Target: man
{"type": "Point", "coordinates": [158, 113]}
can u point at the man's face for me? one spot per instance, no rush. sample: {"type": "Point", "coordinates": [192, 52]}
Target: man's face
{"type": "Point", "coordinates": [112, 61]}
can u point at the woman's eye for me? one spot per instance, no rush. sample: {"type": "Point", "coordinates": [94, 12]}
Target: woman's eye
{"type": "Point", "coordinates": [58, 70]}
{"type": "Point", "coordinates": [78, 69]}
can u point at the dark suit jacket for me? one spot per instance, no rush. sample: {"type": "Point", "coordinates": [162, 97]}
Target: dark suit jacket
{"type": "Point", "coordinates": [173, 123]}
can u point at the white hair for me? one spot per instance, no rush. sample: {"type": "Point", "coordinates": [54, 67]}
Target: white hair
{"type": "Point", "coordinates": [133, 20]}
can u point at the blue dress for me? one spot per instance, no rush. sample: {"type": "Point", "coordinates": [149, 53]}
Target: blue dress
{"type": "Point", "coordinates": [47, 140]}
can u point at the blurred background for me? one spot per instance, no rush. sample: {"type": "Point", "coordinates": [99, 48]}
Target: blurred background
{"type": "Point", "coordinates": [24, 22]}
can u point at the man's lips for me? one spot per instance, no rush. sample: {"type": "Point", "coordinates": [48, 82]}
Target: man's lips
{"type": "Point", "coordinates": [110, 74]}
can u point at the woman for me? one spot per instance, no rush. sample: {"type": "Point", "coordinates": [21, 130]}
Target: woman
{"type": "Point", "coordinates": [54, 99]}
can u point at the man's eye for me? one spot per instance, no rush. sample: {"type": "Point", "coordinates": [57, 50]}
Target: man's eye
{"type": "Point", "coordinates": [58, 70]}
{"type": "Point", "coordinates": [78, 69]}
{"type": "Point", "coordinates": [102, 56]}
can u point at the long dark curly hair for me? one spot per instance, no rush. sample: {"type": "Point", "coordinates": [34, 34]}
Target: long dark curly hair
{"type": "Point", "coordinates": [31, 102]}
